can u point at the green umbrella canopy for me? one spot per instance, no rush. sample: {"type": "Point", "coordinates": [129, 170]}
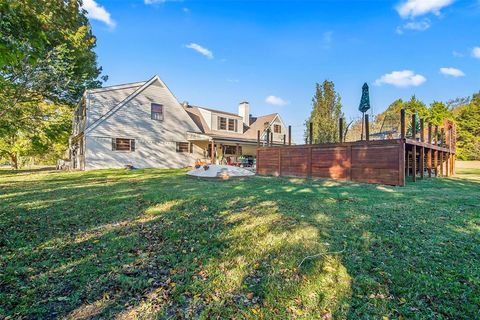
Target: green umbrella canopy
{"type": "Point", "coordinates": [365, 102]}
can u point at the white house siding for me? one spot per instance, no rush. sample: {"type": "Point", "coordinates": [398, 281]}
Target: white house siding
{"type": "Point", "coordinates": [207, 116]}
{"type": "Point", "coordinates": [279, 136]}
{"type": "Point", "coordinates": [147, 154]}
{"type": "Point", "coordinates": [100, 102]}
{"type": "Point", "coordinates": [155, 141]}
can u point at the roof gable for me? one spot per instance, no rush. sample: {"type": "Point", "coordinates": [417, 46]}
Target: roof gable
{"type": "Point", "coordinates": [156, 81]}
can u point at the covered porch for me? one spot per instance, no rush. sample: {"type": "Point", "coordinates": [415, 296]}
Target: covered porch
{"type": "Point", "coordinates": [222, 150]}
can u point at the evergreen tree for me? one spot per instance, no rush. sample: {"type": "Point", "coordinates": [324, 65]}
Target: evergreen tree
{"type": "Point", "coordinates": [438, 112]}
{"type": "Point", "coordinates": [325, 115]}
{"type": "Point", "coordinates": [468, 130]}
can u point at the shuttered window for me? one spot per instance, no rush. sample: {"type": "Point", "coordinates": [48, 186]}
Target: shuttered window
{"type": "Point", "coordinates": [120, 144]}
{"type": "Point", "coordinates": [277, 128]}
{"type": "Point", "coordinates": [157, 112]}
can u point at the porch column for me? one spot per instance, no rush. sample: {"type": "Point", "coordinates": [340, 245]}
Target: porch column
{"type": "Point", "coordinates": [237, 153]}
{"type": "Point", "coordinates": [213, 152]}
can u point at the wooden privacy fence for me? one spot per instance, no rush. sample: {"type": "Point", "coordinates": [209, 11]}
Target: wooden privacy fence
{"type": "Point", "coordinates": [364, 161]}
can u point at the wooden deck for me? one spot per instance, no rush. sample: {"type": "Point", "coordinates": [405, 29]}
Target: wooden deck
{"type": "Point", "coordinates": [371, 161]}
{"type": "Point", "coordinates": [382, 162]}
{"type": "Point", "coordinates": [367, 161]}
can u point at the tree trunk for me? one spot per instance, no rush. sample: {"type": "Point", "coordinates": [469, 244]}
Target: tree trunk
{"type": "Point", "coordinates": [14, 159]}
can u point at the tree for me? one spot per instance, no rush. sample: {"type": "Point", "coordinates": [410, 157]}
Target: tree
{"type": "Point", "coordinates": [437, 113]}
{"type": "Point", "coordinates": [468, 130]}
{"type": "Point", "coordinates": [325, 115]}
{"type": "Point", "coordinates": [46, 57]}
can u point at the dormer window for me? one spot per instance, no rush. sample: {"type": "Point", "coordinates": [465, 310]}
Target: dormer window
{"type": "Point", "coordinates": [222, 123]}
{"type": "Point", "coordinates": [277, 128]}
{"type": "Point", "coordinates": [227, 124]}
{"type": "Point", "coordinates": [156, 112]}
{"type": "Point", "coordinates": [232, 125]}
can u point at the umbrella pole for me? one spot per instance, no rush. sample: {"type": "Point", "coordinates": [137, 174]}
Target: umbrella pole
{"type": "Point", "coordinates": [363, 121]}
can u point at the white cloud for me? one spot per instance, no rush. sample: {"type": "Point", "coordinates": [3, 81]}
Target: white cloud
{"type": "Point", "coordinates": [476, 52]}
{"type": "Point", "coordinates": [452, 72]}
{"type": "Point", "coordinates": [276, 101]}
{"type": "Point", "coordinates": [97, 12]}
{"type": "Point", "coordinates": [153, 1]}
{"type": "Point", "coordinates": [204, 51]}
{"type": "Point", "coordinates": [405, 78]}
{"type": "Point", "coordinates": [414, 8]}
{"type": "Point", "coordinates": [415, 25]}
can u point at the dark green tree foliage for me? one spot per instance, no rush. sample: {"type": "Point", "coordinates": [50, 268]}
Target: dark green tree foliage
{"type": "Point", "coordinates": [468, 130]}
{"type": "Point", "coordinates": [325, 115]}
{"type": "Point", "coordinates": [46, 57]}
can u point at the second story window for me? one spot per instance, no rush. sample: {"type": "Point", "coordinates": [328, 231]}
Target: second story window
{"type": "Point", "coordinates": [227, 124]}
{"type": "Point", "coordinates": [157, 112]}
{"type": "Point", "coordinates": [277, 128]}
{"type": "Point", "coordinates": [232, 125]}
{"type": "Point", "coordinates": [222, 123]}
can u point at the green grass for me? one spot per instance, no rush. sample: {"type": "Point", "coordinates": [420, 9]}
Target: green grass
{"type": "Point", "coordinates": [156, 244]}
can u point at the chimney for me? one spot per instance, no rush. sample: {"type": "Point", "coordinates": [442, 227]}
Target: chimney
{"type": "Point", "coordinates": [244, 112]}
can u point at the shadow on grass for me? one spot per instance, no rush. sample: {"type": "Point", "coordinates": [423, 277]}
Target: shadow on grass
{"type": "Point", "coordinates": [155, 243]}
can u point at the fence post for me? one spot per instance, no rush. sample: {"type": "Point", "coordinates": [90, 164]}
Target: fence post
{"type": "Point", "coordinates": [268, 137]}
{"type": "Point", "coordinates": [429, 154]}
{"type": "Point", "coordinates": [435, 159]}
{"type": "Point", "coordinates": [414, 127]}
{"type": "Point", "coordinates": [414, 162]}
{"type": "Point", "coordinates": [310, 133]}
{"type": "Point", "coordinates": [442, 137]}
{"type": "Point", "coordinates": [340, 130]}
{"type": "Point", "coordinates": [402, 123]}
{"type": "Point", "coordinates": [367, 128]}
{"type": "Point", "coordinates": [289, 135]}
{"type": "Point", "coordinates": [441, 163]}
{"type": "Point", "coordinates": [422, 136]}
{"type": "Point", "coordinates": [284, 139]}
{"type": "Point", "coordinates": [258, 138]}
{"type": "Point", "coordinates": [271, 138]}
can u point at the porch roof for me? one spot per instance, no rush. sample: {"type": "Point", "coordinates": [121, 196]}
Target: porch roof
{"type": "Point", "coordinates": [195, 136]}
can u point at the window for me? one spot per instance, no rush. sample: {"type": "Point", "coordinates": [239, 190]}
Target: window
{"type": "Point", "coordinates": [277, 128]}
{"type": "Point", "coordinates": [157, 112]}
{"type": "Point", "coordinates": [227, 124]}
{"type": "Point", "coordinates": [222, 123]}
{"type": "Point", "coordinates": [232, 125]}
{"type": "Point", "coordinates": [184, 147]}
{"type": "Point", "coordinates": [119, 144]}
{"type": "Point", "coordinates": [233, 150]}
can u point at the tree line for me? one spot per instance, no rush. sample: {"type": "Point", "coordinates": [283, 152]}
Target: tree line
{"type": "Point", "coordinates": [327, 110]}
{"type": "Point", "coordinates": [47, 60]}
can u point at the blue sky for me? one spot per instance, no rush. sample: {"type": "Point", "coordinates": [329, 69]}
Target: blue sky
{"type": "Point", "coordinates": [271, 53]}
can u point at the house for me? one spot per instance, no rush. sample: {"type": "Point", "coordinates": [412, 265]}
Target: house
{"type": "Point", "coordinates": [143, 125]}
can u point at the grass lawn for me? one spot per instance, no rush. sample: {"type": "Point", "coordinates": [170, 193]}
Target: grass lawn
{"type": "Point", "coordinates": [156, 244]}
